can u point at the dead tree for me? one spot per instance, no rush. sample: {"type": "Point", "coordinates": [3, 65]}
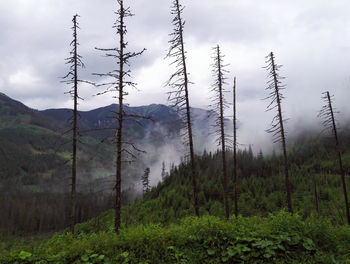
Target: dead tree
{"type": "Point", "coordinates": [118, 81]}
{"type": "Point", "coordinates": [75, 61]}
{"type": "Point", "coordinates": [219, 104]}
{"type": "Point", "coordinates": [275, 87]}
{"type": "Point", "coordinates": [179, 82]}
{"type": "Point", "coordinates": [328, 114]}
{"type": "Point", "coordinates": [235, 180]}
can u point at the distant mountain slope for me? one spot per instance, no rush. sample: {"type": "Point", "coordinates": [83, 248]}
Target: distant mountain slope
{"type": "Point", "coordinates": [35, 157]}
{"type": "Point", "coordinates": [100, 121]}
{"type": "Point", "coordinates": [165, 121]}
{"type": "Point", "coordinates": [35, 151]}
{"type": "Point", "coordinates": [13, 113]}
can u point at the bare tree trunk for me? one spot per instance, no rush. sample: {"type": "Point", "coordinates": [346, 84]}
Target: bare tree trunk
{"type": "Point", "coordinates": [235, 148]}
{"type": "Point", "coordinates": [341, 169]}
{"type": "Point", "coordinates": [75, 114]}
{"type": "Point", "coordinates": [283, 139]}
{"type": "Point", "coordinates": [120, 122]}
{"type": "Point", "coordinates": [222, 128]}
{"type": "Point", "coordinates": [121, 79]}
{"type": "Point", "coordinates": [188, 113]}
{"type": "Point", "coordinates": [179, 82]}
{"type": "Point", "coordinates": [190, 137]}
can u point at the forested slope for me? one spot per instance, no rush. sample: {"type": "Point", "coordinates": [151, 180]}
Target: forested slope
{"type": "Point", "coordinates": [313, 163]}
{"type": "Point", "coordinates": [161, 227]}
{"type": "Point", "coordinates": [35, 160]}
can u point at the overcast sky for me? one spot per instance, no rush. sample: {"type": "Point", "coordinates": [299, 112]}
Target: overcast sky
{"type": "Point", "coordinates": [310, 38]}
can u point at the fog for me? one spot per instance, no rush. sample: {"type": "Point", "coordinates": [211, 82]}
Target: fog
{"type": "Point", "coordinates": [251, 132]}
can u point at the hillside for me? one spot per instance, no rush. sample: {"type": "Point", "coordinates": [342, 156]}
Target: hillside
{"type": "Point", "coordinates": [160, 228]}
{"type": "Point", "coordinates": [35, 144]}
{"type": "Point", "coordinates": [35, 152]}
{"type": "Point", "coordinates": [14, 113]}
{"type": "Point", "coordinates": [35, 163]}
{"type": "Point", "coordinates": [97, 122]}
{"type": "Point", "coordinates": [261, 185]}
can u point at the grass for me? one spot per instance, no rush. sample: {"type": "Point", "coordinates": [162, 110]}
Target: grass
{"type": "Point", "coordinates": [280, 238]}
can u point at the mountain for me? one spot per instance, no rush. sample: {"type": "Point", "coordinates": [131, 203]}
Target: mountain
{"type": "Point", "coordinates": [14, 113]}
{"type": "Point", "coordinates": [165, 123]}
{"type": "Point", "coordinates": [36, 148]}
{"type": "Point", "coordinates": [101, 122]}
{"type": "Point", "coordinates": [34, 169]}
{"type": "Point", "coordinates": [35, 155]}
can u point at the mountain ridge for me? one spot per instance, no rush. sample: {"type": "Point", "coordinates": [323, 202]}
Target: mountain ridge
{"type": "Point", "coordinates": [29, 138]}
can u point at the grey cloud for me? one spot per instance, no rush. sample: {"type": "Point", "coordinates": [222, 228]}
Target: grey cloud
{"type": "Point", "coordinates": [310, 39]}
{"type": "Point", "coordinates": [228, 23]}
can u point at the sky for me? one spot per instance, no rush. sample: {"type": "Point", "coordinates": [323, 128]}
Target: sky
{"type": "Point", "coordinates": [311, 39]}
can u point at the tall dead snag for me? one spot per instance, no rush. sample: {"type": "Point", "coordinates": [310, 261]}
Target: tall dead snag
{"type": "Point", "coordinates": [235, 180]}
{"type": "Point", "coordinates": [219, 105]}
{"type": "Point", "coordinates": [72, 79]}
{"type": "Point", "coordinates": [117, 82]}
{"type": "Point", "coordinates": [178, 83]}
{"type": "Point", "coordinates": [275, 97]}
{"type": "Point", "coordinates": [328, 114]}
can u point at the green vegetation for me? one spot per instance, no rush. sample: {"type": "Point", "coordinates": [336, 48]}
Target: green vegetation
{"type": "Point", "coordinates": [161, 228]}
{"type": "Point", "coordinates": [39, 156]}
{"type": "Point", "coordinates": [280, 238]}
{"type": "Point", "coordinates": [261, 187]}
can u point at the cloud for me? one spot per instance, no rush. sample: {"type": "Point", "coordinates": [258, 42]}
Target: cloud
{"type": "Point", "coordinates": [310, 39]}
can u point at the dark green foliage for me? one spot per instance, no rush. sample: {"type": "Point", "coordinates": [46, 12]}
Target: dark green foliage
{"type": "Point", "coordinates": [261, 186]}
{"type": "Point", "coordinates": [33, 155]}
{"type": "Point", "coordinates": [280, 238]}
{"type": "Point", "coordinates": [35, 159]}
{"type": "Point", "coordinates": [40, 213]}
{"type": "Point", "coordinates": [34, 170]}
{"type": "Point", "coordinates": [154, 230]}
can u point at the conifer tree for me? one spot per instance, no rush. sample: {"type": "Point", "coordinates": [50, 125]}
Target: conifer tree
{"type": "Point", "coordinates": [219, 105]}
{"type": "Point", "coordinates": [145, 180]}
{"type": "Point", "coordinates": [277, 129]}
{"type": "Point", "coordinates": [75, 61]}
{"type": "Point", "coordinates": [163, 173]}
{"type": "Point", "coordinates": [328, 114]}
{"type": "Point", "coordinates": [179, 82]}
{"type": "Point", "coordinates": [119, 81]}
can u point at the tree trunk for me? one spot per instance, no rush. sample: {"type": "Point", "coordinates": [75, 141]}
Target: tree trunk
{"type": "Point", "coordinates": [188, 115]}
{"type": "Point", "coordinates": [235, 148]}
{"type": "Point", "coordinates": [120, 123]}
{"type": "Point", "coordinates": [341, 169]}
{"type": "Point", "coordinates": [223, 148]}
{"type": "Point", "coordinates": [283, 139]}
{"type": "Point", "coordinates": [74, 143]}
